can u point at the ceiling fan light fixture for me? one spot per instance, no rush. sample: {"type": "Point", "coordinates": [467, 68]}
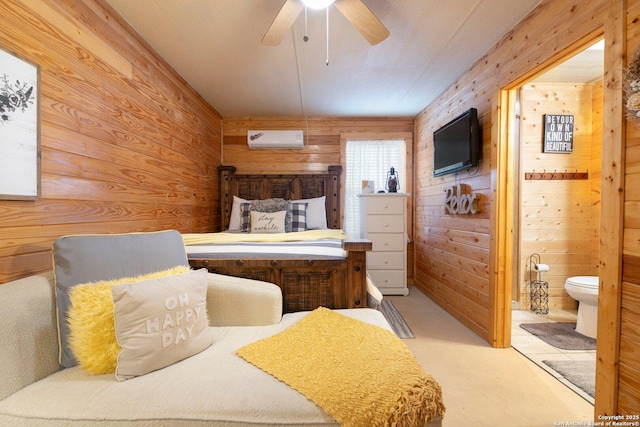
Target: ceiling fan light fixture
{"type": "Point", "coordinates": [355, 11]}
{"type": "Point", "coordinates": [317, 4]}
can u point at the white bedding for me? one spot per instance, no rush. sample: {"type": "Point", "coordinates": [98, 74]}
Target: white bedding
{"type": "Point", "coordinates": [317, 248]}
{"type": "Point", "coordinates": [312, 243]}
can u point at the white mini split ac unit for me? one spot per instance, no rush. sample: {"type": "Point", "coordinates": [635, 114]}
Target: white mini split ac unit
{"type": "Point", "coordinates": [275, 139]}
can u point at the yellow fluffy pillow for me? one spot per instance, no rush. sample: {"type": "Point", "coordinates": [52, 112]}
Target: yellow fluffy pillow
{"type": "Point", "coordinates": [91, 322]}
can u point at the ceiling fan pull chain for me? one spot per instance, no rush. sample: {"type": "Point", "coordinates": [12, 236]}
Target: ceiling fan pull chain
{"type": "Point", "coordinates": [306, 35]}
{"type": "Point", "coordinates": [327, 62]}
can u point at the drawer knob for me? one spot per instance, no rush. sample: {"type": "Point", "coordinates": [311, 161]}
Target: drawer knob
{"type": "Point", "coordinates": [240, 262]}
{"type": "Point", "coordinates": [386, 243]}
{"type": "Point", "coordinates": [274, 262]}
{"type": "Point", "coordinates": [205, 263]}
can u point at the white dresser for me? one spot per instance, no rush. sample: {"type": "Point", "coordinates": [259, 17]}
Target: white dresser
{"type": "Point", "coordinates": [383, 220]}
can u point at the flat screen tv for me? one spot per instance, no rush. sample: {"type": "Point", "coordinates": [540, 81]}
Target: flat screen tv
{"type": "Point", "coordinates": [457, 144]}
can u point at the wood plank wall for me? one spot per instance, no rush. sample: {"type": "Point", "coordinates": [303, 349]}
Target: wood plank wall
{"type": "Point", "coordinates": [452, 251]}
{"type": "Point", "coordinates": [554, 29]}
{"type": "Point", "coordinates": [324, 139]}
{"type": "Point", "coordinates": [127, 145]}
{"type": "Point", "coordinates": [559, 219]}
{"type": "Point", "coordinates": [595, 169]}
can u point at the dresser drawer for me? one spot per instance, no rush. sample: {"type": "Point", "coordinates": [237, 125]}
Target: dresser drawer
{"type": "Point", "coordinates": [383, 220]}
{"type": "Point", "coordinates": [387, 242]}
{"type": "Point", "coordinates": [384, 206]}
{"type": "Point", "coordinates": [385, 224]}
{"type": "Point", "coordinates": [388, 279]}
{"type": "Point", "coordinates": [385, 261]}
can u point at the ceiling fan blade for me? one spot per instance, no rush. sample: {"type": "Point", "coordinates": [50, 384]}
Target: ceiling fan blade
{"type": "Point", "coordinates": [282, 22]}
{"type": "Point", "coordinates": [363, 19]}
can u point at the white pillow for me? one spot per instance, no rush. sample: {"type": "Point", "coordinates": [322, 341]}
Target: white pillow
{"type": "Point", "coordinates": [268, 222]}
{"type": "Point", "coordinates": [316, 213]}
{"type": "Point", "coordinates": [234, 217]}
{"type": "Point", "coordinates": [159, 322]}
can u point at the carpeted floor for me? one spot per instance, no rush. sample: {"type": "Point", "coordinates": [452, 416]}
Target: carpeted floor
{"type": "Point", "coordinates": [579, 372]}
{"type": "Point", "coordinates": [484, 386]}
{"type": "Point", "coordinates": [561, 335]}
{"type": "Point", "coordinates": [395, 319]}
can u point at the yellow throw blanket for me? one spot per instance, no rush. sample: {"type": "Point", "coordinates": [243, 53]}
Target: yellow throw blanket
{"type": "Point", "coordinates": [213, 238]}
{"type": "Point", "coordinates": [360, 374]}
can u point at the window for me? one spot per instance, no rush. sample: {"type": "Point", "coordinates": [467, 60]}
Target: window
{"type": "Point", "coordinates": [370, 160]}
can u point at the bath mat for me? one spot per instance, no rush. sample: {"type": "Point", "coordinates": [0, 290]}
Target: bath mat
{"type": "Point", "coordinates": [581, 373]}
{"type": "Point", "coordinates": [395, 319]}
{"type": "Point", "coordinates": [561, 335]}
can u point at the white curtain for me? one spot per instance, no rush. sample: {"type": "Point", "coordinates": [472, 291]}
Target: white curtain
{"type": "Point", "coordinates": [369, 160]}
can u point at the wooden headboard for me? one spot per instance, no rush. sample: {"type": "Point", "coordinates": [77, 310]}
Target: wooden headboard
{"type": "Point", "coordinates": [285, 186]}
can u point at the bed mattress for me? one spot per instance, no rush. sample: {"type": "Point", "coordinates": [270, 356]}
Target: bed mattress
{"type": "Point", "coordinates": [313, 244]}
{"type": "Point", "coordinates": [319, 249]}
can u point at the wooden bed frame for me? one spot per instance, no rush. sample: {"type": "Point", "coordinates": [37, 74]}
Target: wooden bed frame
{"type": "Point", "coordinates": [306, 283]}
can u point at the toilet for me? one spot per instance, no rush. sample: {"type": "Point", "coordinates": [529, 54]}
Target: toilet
{"type": "Point", "coordinates": [584, 289]}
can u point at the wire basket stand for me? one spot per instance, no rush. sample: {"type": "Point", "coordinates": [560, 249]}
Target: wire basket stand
{"type": "Point", "coordinates": [538, 289]}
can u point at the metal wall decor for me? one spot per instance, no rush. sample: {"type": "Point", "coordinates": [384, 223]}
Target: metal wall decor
{"type": "Point", "coordinates": [458, 201]}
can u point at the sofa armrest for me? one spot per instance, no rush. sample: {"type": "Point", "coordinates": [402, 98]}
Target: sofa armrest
{"type": "Point", "coordinates": [29, 333]}
{"type": "Point", "coordinates": [235, 301]}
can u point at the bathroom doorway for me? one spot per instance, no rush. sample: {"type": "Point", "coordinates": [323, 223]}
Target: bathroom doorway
{"type": "Point", "coordinates": [556, 203]}
{"type": "Point", "coordinates": [558, 196]}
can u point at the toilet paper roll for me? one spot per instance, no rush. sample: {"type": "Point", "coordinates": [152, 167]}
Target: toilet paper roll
{"type": "Point", "coordinates": [542, 267]}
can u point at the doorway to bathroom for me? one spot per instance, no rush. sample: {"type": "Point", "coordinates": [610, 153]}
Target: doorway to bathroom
{"type": "Point", "coordinates": [555, 145]}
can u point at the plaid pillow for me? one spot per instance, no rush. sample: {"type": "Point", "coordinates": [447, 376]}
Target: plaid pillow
{"type": "Point", "coordinates": [266, 205]}
{"type": "Point", "coordinates": [245, 217]}
{"type": "Point", "coordinates": [296, 218]}
{"type": "Point", "coordinates": [298, 212]}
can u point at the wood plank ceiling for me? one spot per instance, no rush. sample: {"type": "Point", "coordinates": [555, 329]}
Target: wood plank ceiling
{"type": "Point", "coordinates": [215, 45]}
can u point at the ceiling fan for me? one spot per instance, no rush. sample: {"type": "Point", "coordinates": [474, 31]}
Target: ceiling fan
{"type": "Point", "coordinates": [355, 11]}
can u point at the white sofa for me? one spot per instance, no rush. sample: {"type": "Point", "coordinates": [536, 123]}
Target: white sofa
{"type": "Point", "coordinates": [212, 388]}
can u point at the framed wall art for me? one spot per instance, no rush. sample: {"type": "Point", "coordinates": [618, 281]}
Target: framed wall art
{"type": "Point", "coordinates": [558, 133]}
{"type": "Point", "coordinates": [19, 128]}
